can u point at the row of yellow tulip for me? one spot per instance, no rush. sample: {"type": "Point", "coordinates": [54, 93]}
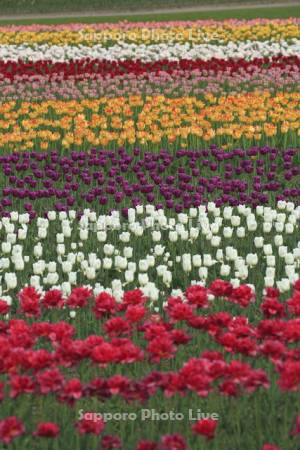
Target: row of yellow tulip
{"type": "Point", "coordinates": [145, 33]}
{"type": "Point", "coordinates": [148, 120]}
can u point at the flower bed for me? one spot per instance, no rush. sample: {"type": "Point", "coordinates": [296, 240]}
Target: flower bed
{"type": "Point", "coordinates": [149, 236]}
{"type": "Point", "coordinates": [141, 357]}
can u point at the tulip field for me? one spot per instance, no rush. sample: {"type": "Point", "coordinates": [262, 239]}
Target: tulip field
{"type": "Point", "coordinates": [150, 235]}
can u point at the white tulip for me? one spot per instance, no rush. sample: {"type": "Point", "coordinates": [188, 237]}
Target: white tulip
{"type": "Point", "coordinates": [6, 247]}
{"type": "Point", "coordinates": [39, 267]}
{"type": "Point", "coordinates": [10, 280]}
{"type": "Point", "coordinates": [140, 209]}
{"type": "Point", "coordinates": [173, 236]}
{"type": "Point", "coordinates": [252, 225]}
{"type": "Point", "coordinates": [215, 241]}
{"type": "Point", "coordinates": [203, 272]}
{"type": "Point", "coordinates": [120, 262]}
{"type": "Point", "coordinates": [219, 255]}
{"type": "Point", "coordinates": [271, 261]}
{"type": "Point", "coordinates": [151, 291]}
{"type": "Point", "coordinates": [225, 270]}
{"type": "Point", "coordinates": [83, 234]}
{"type": "Point", "coordinates": [211, 206]}
{"type": "Point", "coordinates": [60, 238]}
{"type": "Point", "coordinates": [270, 272]}
{"type": "Point", "coordinates": [207, 260]}
{"type": "Point", "coordinates": [235, 221]}
{"type": "Point", "coordinates": [289, 258]}
{"type": "Point", "coordinates": [52, 266]}
{"type": "Point", "coordinates": [72, 278]}
{"type": "Point", "coordinates": [289, 228]}
{"type": "Point", "coordinates": [289, 270]}
{"type": "Point", "coordinates": [242, 272]}
{"type": "Point", "coordinates": [52, 278]}
{"type": "Point", "coordinates": [14, 216]}
{"type": "Point", "coordinates": [51, 215]}
{"type": "Point", "coordinates": [107, 263]}
{"type": "Point", "coordinates": [193, 212]}
{"type": "Point", "coordinates": [252, 259]}
{"type": "Point", "coordinates": [167, 278]}
{"type": "Point", "coordinates": [150, 260]}
{"type": "Point", "coordinates": [269, 281]}
{"type": "Point", "coordinates": [235, 282]}
{"type": "Point", "coordinates": [9, 228]}
{"type": "Point", "coordinates": [101, 236]}
{"type": "Point", "coordinates": [4, 263]}
{"type": "Point", "coordinates": [143, 279]}
{"type": "Point", "coordinates": [278, 240]}
{"type": "Point", "coordinates": [183, 218]}
{"type": "Point", "coordinates": [290, 206]}
{"type": "Point", "coordinates": [22, 234]}
{"type": "Point", "coordinates": [131, 215]}
{"type": "Point", "coordinates": [72, 214]}
{"type": "Point", "coordinates": [19, 264]}
{"type": "Point", "coordinates": [24, 218]}
{"type": "Point", "coordinates": [268, 249]}
{"type": "Point", "coordinates": [214, 228]}
{"type": "Point", "coordinates": [194, 233]}
{"type": "Point", "coordinates": [240, 232]}
{"type": "Point", "coordinates": [267, 227]}
{"type": "Point", "coordinates": [60, 249]}
{"type": "Point", "coordinates": [156, 236]}
{"type": "Point", "coordinates": [35, 281]}
{"type": "Point", "coordinates": [279, 227]}
{"type": "Point", "coordinates": [124, 237]}
{"type": "Point", "coordinates": [143, 265]}
{"type": "Point", "coordinates": [161, 270]}
{"type": "Point", "coordinates": [231, 253]}
{"type": "Point", "coordinates": [227, 212]}
{"type": "Point", "coordinates": [258, 242]}
{"type": "Point", "coordinates": [128, 252]}
{"type": "Point", "coordinates": [259, 210]}
{"type": "Point", "coordinates": [197, 260]}
{"type": "Point", "coordinates": [129, 276]}
{"type": "Point", "coordinates": [80, 257]}
{"type": "Point", "coordinates": [186, 262]}
{"type": "Point", "coordinates": [62, 215]}
{"type": "Point", "coordinates": [159, 250]}
{"type": "Point", "coordinates": [90, 273]}
{"type": "Point", "coordinates": [283, 285]}
{"type": "Point", "coordinates": [66, 266]}
{"type": "Point", "coordinates": [38, 250]}
{"type": "Point", "coordinates": [281, 204]}
{"type": "Point", "coordinates": [131, 266]}
{"type": "Point", "coordinates": [42, 233]}
{"type": "Point", "coordinates": [138, 231]}
{"type": "Point", "coordinates": [282, 251]}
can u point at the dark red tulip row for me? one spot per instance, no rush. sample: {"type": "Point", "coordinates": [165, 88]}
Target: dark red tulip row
{"type": "Point", "coordinates": [81, 69]}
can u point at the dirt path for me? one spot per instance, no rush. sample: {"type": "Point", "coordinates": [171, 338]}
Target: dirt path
{"type": "Point", "coordinates": [203, 8]}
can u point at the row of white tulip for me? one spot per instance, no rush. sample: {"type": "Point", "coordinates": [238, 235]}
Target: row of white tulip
{"type": "Point", "coordinates": [150, 249]}
{"type": "Point", "coordinates": [173, 51]}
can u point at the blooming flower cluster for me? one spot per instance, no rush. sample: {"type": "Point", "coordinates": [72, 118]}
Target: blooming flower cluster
{"type": "Point", "coordinates": [198, 31]}
{"type": "Point", "coordinates": [35, 355]}
{"type": "Point", "coordinates": [151, 249]}
{"type": "Point", "coordinates": [101, 179]}
{"type": "Point", "coordinates": [248, 50]}
{"type": "Point", "coordinates": [90, 79]}
{"type": "Point", "coordinates": [254, 117]}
